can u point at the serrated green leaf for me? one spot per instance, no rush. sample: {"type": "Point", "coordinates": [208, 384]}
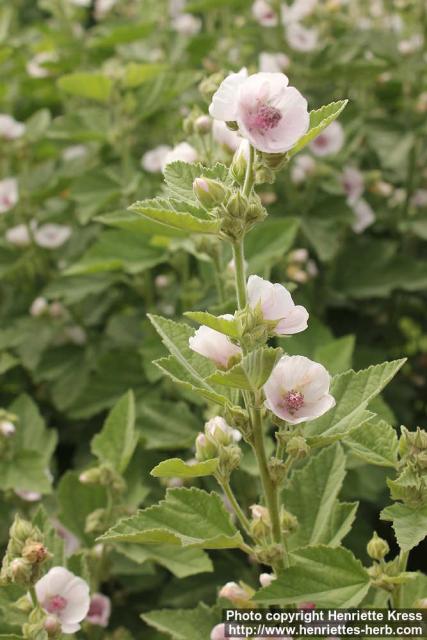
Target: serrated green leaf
{"type": "Point", "coordinates": [116, 443]}
{"type": "Point", "coordinates": [181, 376]}
{"type": "Point", "coordinates": [76, 502]}
{"type": "Point", "coordinates": [409, 524]}
{"type": "Point", "coordinates": [312, 498]}
{"type": "Point", "coordinates": [319, 120]}
{"type": "Point", "coordinates": [223, 325]}
{"type": "Point", "coordinates": [94, 86]}
{"type": "Point", "coordinates": [329, 577]}
{"type": "Point", "coordinates": [375, 442]}
{"type": "Point", "coordinates": [167, 425]}
{"type": "Point", "coordinates": [251, 372]}
{"type": "Point", "coordinates": [137, 73]}
{"type": "Point", "coordinates": [177, 468]}
{"type": "Point", "coordinates": [183, 624]}
{"type": "Point", "coordinates": [176, 214]}
{"type": "Point", "coordinates": [181, 562]}
{"type": "Point", "coordinates": [179, 177]}
{"type": "Point", "coordinates": [187, 518]}
{"type": "Point", "coordinates": [352, 392]}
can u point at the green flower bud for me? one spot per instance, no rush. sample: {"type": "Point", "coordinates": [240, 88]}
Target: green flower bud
{"type": "Point", "coordinates": [209, 85]}
{"type": "Point", "coordinates": [53, 627]}
{"type": "Point", "coordinates": [240, 162]}
{"type": "Point", "coordinates": [20, 571]}
{"type": "Point", "coordinates": [205, 448]}
{"type": "Point", "coordinates": [377, 548]}
{"type": "Point", "coordinates": [260, 524]}
{"type": "Point", "coordinates": [210, 193]}
{"type": "Point", "coordinates": [91, 476]}
{"type": "Point", "coordinates": [288, 522]}
{"type": "Point", "coordinates": [35, 552]}
{"type": "Point", "coordinates": [237, 206]}
{"type": "Point", "coordinates": [297, 447]}
{"type": "Point", "coordinates": [274, 161]}
{"type": "Point", "coordinates": [203, 124]}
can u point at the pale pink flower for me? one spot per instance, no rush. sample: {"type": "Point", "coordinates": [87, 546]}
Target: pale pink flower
{"type": "Point", "coordinates": [10, 129]}
{"type": "Point", "coordinates": [273, 62]}
{"type": "Point", "coordinates": [7, 428]}
{"type": "Point", "coordinates": [265, 579]}
{"type": "Point", "coordinates": [419, 199]}
{"type": "Point", "coordinates": [174, 482]}
{"type": "Point", "coordinates": [353, 183]}
{"type": "Point", "coordinates": [35, 66]}
{"type": "Point", "coordinates": [269, 113]}
{"type": "Point", "coordinates": [411, 45]}
{"type": "Point", "coordinates": [259, 512]}
{"type": "Point", "coordinates": [76, 335]}
{"type": "Point", "coordinates": [302, 167]}
{"type": "Point", "coordinates": [214, 345]}
{"type": "Point", "coordinates": [218, 423]}
{"type": "Point", "coordinates": [103, 7]}
{"type": "Point", "coordinates": [225, 136]}
{"type": "Point", "coordinates": [186, 24]}
{"type": "Point", "coordinates": [298, 390]}
{"type": "Point", "coordinates": [64, 596]}
{"type": "Point", "coordinates": [28, 496]}
{"type": "Point", "coordinates": [298, 255]}
{"type": "Point", "coordinates": [183, 152]}
{"type": "Point", "coordinates": [301, 38]}
{"type": "Point", "coordinates": [176, 7]}
{"type": "Point", "coordinates": [276, 305]}
{"type": "Point", "coordinates": [52, 236]}
{"type": "Point", "coordinates": [19, 236]}
{"type": "Point", "coordinates": [297, 11]}
{"type": "Point", "coordinates": [264, 13]}
{"type": "Point", "coordinates": [364, 215]}
{"type": "Point", "coordinates": [152, 161]}
{"type": "Point", "coordinates": [99, 610]}
{"type": "Point", "coordinates": [71, 542]}
{"type": "Point", "coordinates": [39, 306]}
{"type": "Point", "coordinates": [329, 141]}
{"type": "Point", "coordinates": [218, 632]}
{"type": "Point", "coordinates": [9, 195]}
{"type": "Point", "coordinates": [233, 591]}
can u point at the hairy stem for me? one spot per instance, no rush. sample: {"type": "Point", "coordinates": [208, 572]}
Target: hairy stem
{"type": "Point", "coordinates": [249, 177]}
{"type": "Point", "coordinates": [397, 593]}
{"type": "Point", "coordinates": [33, 596]}
{"type": "Point", "coordinates": [235, 505]}
{"type": "Point", "coordinates": [240, 275]}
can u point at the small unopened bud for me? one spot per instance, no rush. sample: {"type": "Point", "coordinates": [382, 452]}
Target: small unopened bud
{"type": "Point", "coordinates": [52, 626]}
{"type": "Point", "coordinates": [275, 161]}
{"type": "Point", "coordinates": [266, 579]}
{"type": "Point", "coordinates": [240, 162]}
{"type": "Point", "coordinates": [288, 521]}
{"type": "Point", "coordinates": [377, 548]}
{"type": "Point", "coordinates": [297, 447]}
{"type": "Point", "coordinates": [260, 524]}
{"type": "Point", "coordinates": [209, 85]}
{"type": "Point", "coordinates": [20, 531]}
{"type": "Point", "coordinates": [237, 206]}
{"type": "Point", "coordinates": [205, 449]}
{"type": "Point", "coordinates": [20, 571]}
{"type": "Point", "coordinates": [7, 428]}
{"type": "Point", "coordinates": [209, 193]}
{"type": "Point", "coordinates": [91, 476]}
{"type": "Point", "coordinates": [203, 124]}
{"type": "Point", "coordinates": [35, 552]}
{"type": "Point", "coordinates": [234, 592]}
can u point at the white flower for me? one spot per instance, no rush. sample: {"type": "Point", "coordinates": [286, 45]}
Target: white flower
{"type": "Point", "coordinates": [214, 345]}
{"type": "Point", "coordinates": [265, 579]}
{"type": "Point", "coordinates": [302, 167]}
{"type": "Point", "coordinates": [353, 183]}
{"type": "Point", "coordinates": [152, 161]}
{"type": "Point", "coordinates": [76, 335]}
{"type": "Point", "coordinates": [297, 11]}
{"type": "Point", "coordinates": [10, 129]}
{"type": "Point", "coordinates": [99, 610]}
{"type": "Point", "coordinates": [183, 152]}
{"type": "Point", "coordinates": [269, 113]}
{"type": "Point", "coordinates": [276, 305]}
{"type": "Point", "coordinates": [19, 236]}
{"type": "Point", "coordinates": [329, 141]}
{"type": "Point", "coordinates": [364, 216]}
{"type": "Point", "coordinates": [186, 24]}
{"type": "Point", "coordinates": [7, 428]}
{"type": "Point", "coordinates": [28, 496]}
{"type": "Point", "coordinates": [298, 255]}
{"type": "Point", "coordinates": [35, 66]}
{"type": "Point", "coordinates": [218, 423]}
{"type": "Point", "coordinates": [264, 13]}
{"type": "Point", "coordinates": [74, 152]}
{"type": "Point", "coordinates": [273, 62]}
{"type": "Point", "coordinates": [64, 596]}
{"type": "Point", "coordinates": [225, 136]}
{"type": "Point", "coordinates": [52, 236]}
{"type": "Point", "coordinates": [9, 195]}
{"type": "Point", "coordinates": [300, 38]}
{"type": "Point", "coordinates": [218, 632]}
{"type": "Point", "coordinates": [298, 390]}
{"type": "Point", "coordinates": [233, 591]}
{"type": "Point", "coordinates": [39, 306]}
{"type": "Point", "coordinates": [102, 7]}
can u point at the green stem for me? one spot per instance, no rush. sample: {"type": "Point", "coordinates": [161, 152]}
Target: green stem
{"type": "Point", "coordinates": [33, 595]}
{"type": "Point", "coordinates": [218, 275]}
{"type": "Point", "coordinates": [240, 273]}
{"type": "Point", "coordinates": [236, 507]}
{"type": "Point", "coordinates": [249, 177]}
{"type": "Point", "coordinates": [397, 593]}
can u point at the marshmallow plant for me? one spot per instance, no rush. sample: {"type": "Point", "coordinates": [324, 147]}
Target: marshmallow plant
{"type": "Point", "coordinates": [293, 419]}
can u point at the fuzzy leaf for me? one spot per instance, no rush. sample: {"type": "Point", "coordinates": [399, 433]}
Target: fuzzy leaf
{"type": "Point", "coordinates": [175, 214]}
{"type": "Point", "coordinates": [319, 120]}
{"type": "Point", "coordinates": [409, 524]}
{"type": "Point", "coordinates": [227, 327]}
{"type": "Point", "coordinates": [329, 577]}
{"type": "Point", "coordinates": [251, 372]}
{"type": "Point", "coordinates": [116, 442]}
{"type": "Point", "coordinates": [187, 518]}
{"type": "Point", "coordinates": [179, 177]}
{"type": "Point", "coordinates": [375, 442]}
{"type": "Point", "coordinates": [183, 624]}
{"type": "Point", "coordinates": [181, 562]}
{"type": "Point", "coordinates": [177, 468]}
{"type": "Point", "coordinates": [181, 376]}
{"type": "Point", "coordinates": [94, 86]}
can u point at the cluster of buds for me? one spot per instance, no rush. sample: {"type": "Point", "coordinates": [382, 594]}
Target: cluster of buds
{"type": "Point", "coordinates": [105, 476]}
{"type": "Point", "coordinates": [7, 430]}
{"type": "Point", "coordinates": [25, 554]}
{"type": "Point", "coordinates": [300, 268]}
{"type": "Point", "coordinates": [240, 594]}
{"type": "Point", "coordinates": [197, 122]}
{"type": "Point", "coordinates": [410, 486]}
{"type": "Point", "coordinates": [219, 440]}
{"type": "Point", "coordinates": [260, 524]}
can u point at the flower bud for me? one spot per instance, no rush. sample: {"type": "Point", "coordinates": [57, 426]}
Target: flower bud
{"type": "Point", "coordinates": [205, 448]}
{"type": "Point", "coordinates": [91, 476]}
{"type": "Point", "coordinates": [266, 579]}
{"type": "Point", "coordinates": [218, 431]}
{"type": "Point", "coordinates": [209, 85]}
{"type": "Point", "coordinates": [275, 161]}
{"type": "Point", "coordinates": [52, 626]}
{"type": "Point", "coordinates": [203, 124]}
{"type": "Point", "coordinates": [234, 592]}
{"type": "Point", "coordinates": [240, 162]}
{"type": "Point", "coordinates": [297, 447]}
{"type": "Point", "coordinates": [218, 632]}
{"type": "Point", "coordinates": [35, 552]}
{"type": "Point", "coordinates": [237, 206]}
{"type": "Point", "coordinates": [261, 523]}
{"type": "Point", "coordinates": [209, 193]}
{"type": "Point", "coordinates": [377, 548]}
{"type": "Point", "coordinates": [20, 571]}
{"type": "Point", "coordinates": [288, 522]}
{"type": "Point", "coordinates": [7, 428]}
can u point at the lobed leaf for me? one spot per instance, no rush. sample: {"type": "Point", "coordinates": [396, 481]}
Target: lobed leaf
{"type": "Point", "coordinates": [319, 120]}
{"type": "Point", "coordinates": [177, 468]}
